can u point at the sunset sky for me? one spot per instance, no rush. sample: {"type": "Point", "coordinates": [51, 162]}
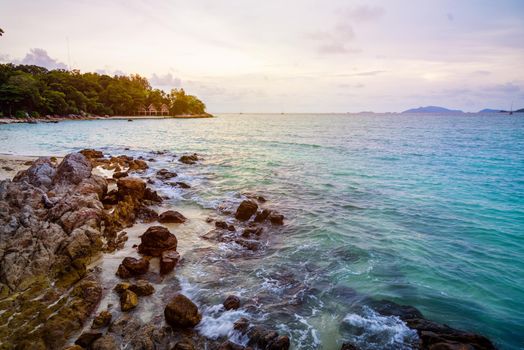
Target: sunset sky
{"type": "Point", "coordinates": [286, 56]}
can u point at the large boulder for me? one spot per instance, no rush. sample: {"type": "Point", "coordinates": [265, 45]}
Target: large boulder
{"type": "Point", "coordinates": [171, 216]}
{"type": "Point", "coordinates": [136, 266]}
{"type": "Point", "coordinates": [156, 240]}
{"type": "Point", "coordinates": [74, 168]}
{"type": "Point", "coordinates": [246, 210]}
{"type": "Point", "coordinates": [181, 312]}
{"type": "Point", "coordinates": [131, 186]}
{"type": "Point", "coordinates": [39, 174]}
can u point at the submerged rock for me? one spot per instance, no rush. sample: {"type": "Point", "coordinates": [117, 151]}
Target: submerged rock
{"type": "Point", "coordinates": [276, 219]}
{"type": "Point", "coordinates": [106, 342]}
{"type": "Point", "coordinates": [171, 216]}
{"type": "Point", "coordinates": [262, 215]}
{"type": "Point", "coordinates": [156, 240]}
{"type": "Point", "coordinates": [232, 302]}
{"type": "Point", "coordinates": [86, 339]}
{"type": "Point", "coordinates": [189, 159]}
{"type": "Point", "coordinates": [246, 210]}
{"type": "Point", "coordinates": [182, 312]}
{"type": "Point", "coordinates": [165, 174]}
{"type": "Point", "coordinates": [168, 261]}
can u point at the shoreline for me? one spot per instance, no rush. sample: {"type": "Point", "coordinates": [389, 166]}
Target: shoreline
{"type": "Point", "coordinates": [57, 119]}
{"type": "Point", "coordinates": [429, 333]}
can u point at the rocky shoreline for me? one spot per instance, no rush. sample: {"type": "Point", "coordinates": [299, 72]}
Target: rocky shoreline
{"type": "Point", "coordinates": [59, 118]}
{"type": "Point", "coordinates": [57, 219]}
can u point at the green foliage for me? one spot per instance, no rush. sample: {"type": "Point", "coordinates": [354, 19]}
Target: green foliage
{"type": "Point", "coordinates": [28, 89]}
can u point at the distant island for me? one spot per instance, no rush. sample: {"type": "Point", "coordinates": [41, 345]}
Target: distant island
{"type": "Point", "coordinates": [432, 109]}
{"type": "Point", "coordinates": [29, 91]}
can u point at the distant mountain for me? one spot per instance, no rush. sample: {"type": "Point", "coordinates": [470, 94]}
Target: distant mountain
{"type": "Point", "coordinates": [519, 110]}
{"type": "Point", "coordinates": [489, 110]}
{"type": "Point", "coordinates": [432, 109]}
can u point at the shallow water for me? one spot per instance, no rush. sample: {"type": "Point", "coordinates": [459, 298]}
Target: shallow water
{"type": "Point", "coordinates": [421, 210]}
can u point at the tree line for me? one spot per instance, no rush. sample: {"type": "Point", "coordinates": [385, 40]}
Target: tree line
{"type": "Point", "coordinates": [36, 91]}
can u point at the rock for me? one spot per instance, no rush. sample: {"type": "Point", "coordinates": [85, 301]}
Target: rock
{"type": "Point", "coordinates": [128, 300]}
{"type": "Point", "coordinates": [252, 231]}
{"type": "Point", "coordinates": [121, 287]}
{"type": "Point", "coordinates": [74, 347]}
{"type": "Point", "coordinates": [142, 288]}
{"type": "Point", "coordinates": [348, 346]}
{"type": "Point", "coordinates": [221, 224]}
{"type": "Point", "coordinates": [156, 240]}
{"type": "Point", "coordinates": [184, 344]}
{"type": "Point", "coordinates": [262, 215]}
{"type": "Point", "coordinates": [136, 266]}
{"type": "Point", "coordinates": [189, 159]}
{"type": "Point", "coordinates": [40, 173]}
{"type": "Point", "coordinates": [131, 186]}
{"type": "Point", "coordinates": [280, 343]}
{"type": "Point", "coordinates": [261, 199]}
{"type": "Point", "coordinates": [182, 185]}
{"type": "Point", "coordinates": [73, 169]}
{"type": "Point", "coordinates": [245, 210]}
{"type": "Point", "coordinates": [123, 272]}
{"type": "Point", "coordinates": [168, 261]}
{"type": "Point", "coordinates": [171, 216]}
{"type": "Point", "coordinates": [107, 342]}
{"type": "Point", "coordinates": [152, 196]}
{"type": "Point", "coordinates": [137, 165]}
{"type": "Point", "coordinates": [92, 154]}
{"type": "Point", "coordinates": [146, 214]}
{"type": "Point", "coordinates": [120, 174]}
{"type": "Point", "coordinates": [276, 219]}
{"type": "Point", "coordinates": [232, 302]}
{"type": "Point", "coordinates": [101, 320]}
{"type": "Point", "coordinates": [229, 345]}
{"type": "Point", "coordinates": [165, 174]}
{"type": "Point", "coordinates": [181, 312]}
{"type": "Point", "coordinates": [248, 243]}
{"type": "Point", "coordinates": [86, 339]}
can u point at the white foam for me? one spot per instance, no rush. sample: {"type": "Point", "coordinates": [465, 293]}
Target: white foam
{"type": "Point", "coordinates": [217, 322]}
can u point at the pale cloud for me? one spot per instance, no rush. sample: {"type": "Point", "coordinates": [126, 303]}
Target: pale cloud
{"type": "Point", "coordinates": [165, 80]}
{"type": "Point", "coordinates": [364, 13]}
{"type": "Point", "coordinates": [40, 57]}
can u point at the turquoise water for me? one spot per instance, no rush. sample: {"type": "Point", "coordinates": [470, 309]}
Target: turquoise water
{"type": "Point", "coordinates": [422, 210]}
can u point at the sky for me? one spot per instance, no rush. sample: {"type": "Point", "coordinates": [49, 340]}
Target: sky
{"type": "Point", "coordinates": [286, 55]}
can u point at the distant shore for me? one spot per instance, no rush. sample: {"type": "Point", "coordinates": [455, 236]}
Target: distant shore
{"type": "Point", "coordinates": [56, 119]}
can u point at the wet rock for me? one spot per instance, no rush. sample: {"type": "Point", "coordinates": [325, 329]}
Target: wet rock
{"type": "Point", "coordinates": [276, 219]}
{"type": "Point", "coordinates": [241, 325]}
{"type": "Point", "coordinates": [229, 345]}
{"type": "Point", "coordinates": [221, 225]}
{"type": "Point", "coordinates": [248, 243]}
{"type": "Point", "coordinates": [128, 300]}
{"type": "Point", "coordinates": [120, 174]}
{"type": "Point", "coordinates": [131, 186]}
{"type": "Point", "coordinates": [125, 326]}
{"type": "Point", "coordinates": [101, 320]}
{"type": "Point", "coordinates": [136, 266]}
{"type": "Point", "coordinates": [156, 240]}
{"type": "Point", "coordinates": [86, 339]}
{"type": "Point", "coordinates": [165, 174]}
{"type": "Point", "coordinates": [182, 312]}
{"type": "Point", "coordinates": [106, 342]}
{"type": "Point", "coordinates": [111, 198]}
{"type": "Point", "coordinates": [91, 153]}
{"type": "Point", "coordinates": [182, 185]}
{"type": "Point", "coordinates": [348, 346]}
{"type": "Point", "coordinates": [232, 302]}
{"type": "Point", "coordinates": [138, 165]}
{"type": "Point", "coordinates": [74, 347]}
{"type": "Point", "coordinates": [246, 210]}
{"type": "Point", "coordinates": [171, 216]}
{"type": "Point", "coordinates": [123, 272]}
{"type": "Point", "coordinates": [280, 343]}
{"type": "Point", "coordinates": [149, 337]}
{"type": "Point", "coordinates": [142, 288]}
{"type": "Point", "coordinates": [168, 261]}
{"type": "Point", "coordinates": [147, 215]}
{"type": "Point", "coordinates": [262, 215]}
{"type": "Point", "coordinates": [252, 231]}
{"type": "Point", "coordinates": [152, 196]}
{"type": "Point", "coordinates": [189, 159]}
{"type": "Point", "coordinates": [121, 287]}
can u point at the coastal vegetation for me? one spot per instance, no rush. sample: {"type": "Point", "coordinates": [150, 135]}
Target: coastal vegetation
{"type": "Point", "coordinates": [29, 90]}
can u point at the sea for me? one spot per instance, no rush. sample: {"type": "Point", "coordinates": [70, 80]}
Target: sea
{"type": "Point", "coordinates": [421, 209]}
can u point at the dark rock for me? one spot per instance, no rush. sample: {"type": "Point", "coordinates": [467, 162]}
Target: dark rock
{"type": "Point", "coordinates": [182, 185]}
{"type": "Point", "coordinates": [101, 320]}
{"type": "Point", "coordinates": [189, 159]}
{"type": "Point", "coordinates": [73, 169]}
{"type": "Point", "coordinates": [120, 174]}
{"type": "Point", "coordinates": [111, 197]}
{"type": "Point", "coordinates": [156, 240]}
{"type": "Point", "coordinates": [276, 219]}
{"type": "Point", "coordinates": [120, 287]}
{"type": "Point", "coordinates": [252, 231]}
{"type": "Point", "coordinates": [232, 302]}
{"type": "Point", "coordinates": [128, 300]}
{"type": "Point", "coordinates": [152, 196]}
{"type": "Point", "coordinates": [245, 210]}
{"type": "Point", "coordinates": [262, 215]}
{"type": "Point", "coordinates": [146, 214]}
{"type": "Point", "coordinates": [348, 346]}
{"type": "Point", "coordinates": [229, 345]}
{"type": "Point", "coordinates": [131, 186]}
{"type": "Point", "coordinates": [136, 266]}
{"type": "Point", "coordinates": [279, 343]}
{"type": "Point", "coordinates": [248, 243]}
{"type": "Point", "coordinates": [184, 344]}
{"type": "Point", "coordinates": [241, 325]}
{"type": "Point", "coordinates": [231, 228]}
{"type": "Point", "coordinates": [92, 154]}
{"type": "Point", "coordinates": [86, 339]}
{"type": "Point", "coordinates": [138, 165]}
{"type": "Point", "coordinates": [122, 272]}
{"type": "Point", "coordinates": [168, 261]}
{"type": "Point", "coordinates": [221, 225]}
{"type": "Point", "coordinates": [171, 216]}
{"type": "Point", "coordinates": [182, 312]}
{"type": "Point", "coordinates": [142, 288]}
{"type": "Point", "coordinates": [165, 174]}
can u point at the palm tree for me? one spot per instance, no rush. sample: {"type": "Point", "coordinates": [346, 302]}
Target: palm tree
{"type": "Point", "coordinates": [1, 31]}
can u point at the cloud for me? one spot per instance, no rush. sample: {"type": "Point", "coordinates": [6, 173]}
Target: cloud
{"type": "Point", "coordinates": [364, 13]}
{"type": "Point", "coordinates": [165, 80]}
{"type": "Point", "coordinates": [504, 88]}
{"type": "Point", "coordinates": [39, 57]}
